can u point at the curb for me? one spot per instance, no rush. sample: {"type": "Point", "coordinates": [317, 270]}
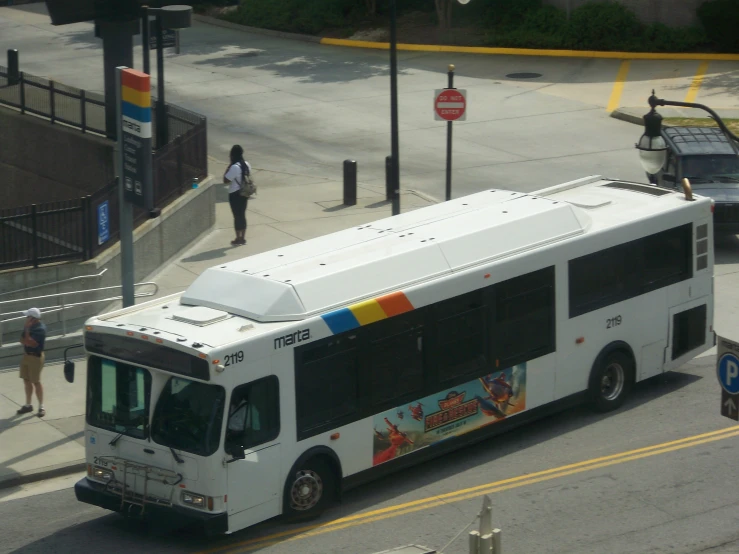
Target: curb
{"type": "Point", "coordinates": [469, 49]}
{"type": "Point", "coordinates": [531, 51]}
{"type": "Point", "coordinates": [43, 474]}
{"type": "Point", "coordinates": [629, 118]}
{"type": "Point", "coordinates": [245, 28]}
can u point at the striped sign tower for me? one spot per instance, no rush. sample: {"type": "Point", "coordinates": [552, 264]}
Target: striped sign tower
{"type": "Point", "coordinates": [133, 157]}
{"type": "Point", "coordinates": [136, 137]}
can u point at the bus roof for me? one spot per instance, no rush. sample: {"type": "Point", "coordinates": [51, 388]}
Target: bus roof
{"type": "Point", "coordinates": [311, 277]}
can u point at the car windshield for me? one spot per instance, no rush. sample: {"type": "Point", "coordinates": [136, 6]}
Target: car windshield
{"type": "Point", "coordinates": [118, 397]}
{"type": "Point", "coordinates": [188, 416]}
{"type": "Point", "coordinates": [706, 167]}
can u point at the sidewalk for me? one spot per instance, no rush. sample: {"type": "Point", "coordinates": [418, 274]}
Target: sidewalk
{"type": "Point", "coordinates": [288, 208]}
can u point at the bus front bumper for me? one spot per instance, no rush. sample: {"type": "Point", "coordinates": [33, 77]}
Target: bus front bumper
{"type": "Point", "coordinates": [94, 493]}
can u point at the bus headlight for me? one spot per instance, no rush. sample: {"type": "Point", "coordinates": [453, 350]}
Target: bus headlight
{"type": "Point", "coordinates": [194, 500]}
{"type": "Point", "coordinates": [101, 474]}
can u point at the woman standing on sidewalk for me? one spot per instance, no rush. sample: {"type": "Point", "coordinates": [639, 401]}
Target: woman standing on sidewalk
{"type": "Point", "coordinates": [235, 177]}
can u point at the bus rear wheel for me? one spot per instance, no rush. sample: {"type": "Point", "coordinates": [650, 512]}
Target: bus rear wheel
{"type": "Point", "coordinates": [309, 490]}
{"type": "Point", "coordinates": [610, 381]}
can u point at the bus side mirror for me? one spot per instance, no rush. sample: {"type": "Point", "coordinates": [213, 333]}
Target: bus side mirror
{"type": "Point", "coordinates": [69, 371]}
{"type": "Point", "coordinates": [237, 452]}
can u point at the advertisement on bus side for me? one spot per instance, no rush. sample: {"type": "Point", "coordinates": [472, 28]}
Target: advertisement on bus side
{"type": "Point", "coordinates": [449, 413]}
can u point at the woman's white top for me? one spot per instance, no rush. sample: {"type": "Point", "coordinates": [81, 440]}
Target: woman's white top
{"type": "Point", "coordinates": [235, 178]}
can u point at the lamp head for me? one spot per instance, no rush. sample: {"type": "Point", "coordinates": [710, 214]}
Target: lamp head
{"type": "Point", "coordinates": [652, 147]}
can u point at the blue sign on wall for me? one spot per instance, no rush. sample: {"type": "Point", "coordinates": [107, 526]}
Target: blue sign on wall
{"type": "Point", "coordinates": [728, 372]}
{"type": "Point", "coordinates": [103, 223]}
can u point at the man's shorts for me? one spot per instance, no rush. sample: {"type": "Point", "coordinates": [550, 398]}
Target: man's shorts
{"type": "Point", "coordinates": [31, 367]}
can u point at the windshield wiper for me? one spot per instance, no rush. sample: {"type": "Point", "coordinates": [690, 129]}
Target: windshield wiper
{"type": "Point", "coordinates": [727, 178]}
{"type": "Point", "coordinates": [128, 429]}
{"type": "Point", "coordinates": [176, 457]}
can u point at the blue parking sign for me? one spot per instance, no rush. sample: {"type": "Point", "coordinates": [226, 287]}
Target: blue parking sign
{"type": "Point", "coordinates": [103, 223]}
{"type": "Point", "coordinates": [728, 372]}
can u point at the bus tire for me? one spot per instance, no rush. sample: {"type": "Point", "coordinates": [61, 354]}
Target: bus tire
{"type": "Point", "coordinates": [309, 490]}
{"type": "Point", "coordinates": [611, 381]}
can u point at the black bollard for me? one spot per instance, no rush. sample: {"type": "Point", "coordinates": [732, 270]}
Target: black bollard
{"type": "Point", "coordinates": [350, 183]}
{"type": "Point", "coordinates": [13, 67]}
{"type": "Point", "coordinates": [388, 178]}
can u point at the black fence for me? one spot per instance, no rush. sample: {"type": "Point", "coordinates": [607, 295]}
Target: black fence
{"type": "Point", "coordinates": [57, 102]}
{"type": "Point", "coordinates": [43, 233]}
{"type": "Point", "coordinates": [71, 229]}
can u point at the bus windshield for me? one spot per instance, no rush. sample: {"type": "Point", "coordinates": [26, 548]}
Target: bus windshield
{"type": "Point", "coordinates": [118, 397]}
{"type": "Point", "coordinates": [188, 416]}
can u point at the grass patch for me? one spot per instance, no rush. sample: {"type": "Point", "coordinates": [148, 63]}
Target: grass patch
{"type": "Point", "coordinates": [732, 124]}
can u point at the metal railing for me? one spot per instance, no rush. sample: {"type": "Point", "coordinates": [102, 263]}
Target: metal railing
{"type": "Point", "coordinates": [54, 283]}
{"type": "Point", "coordinates": [59, 103]}
{"type": "Point", "coordinates": [68, 230]}
{"type": "Point", "coordinates": [63, 307]}
{"type": "Point", "coordinates": [44, 233]}
{"type": "Point", "coordinates": [77, 108]}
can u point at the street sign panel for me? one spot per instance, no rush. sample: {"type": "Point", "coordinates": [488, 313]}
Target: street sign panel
{"type": "Point", "coordinates": [730, 405]}
{"type": "Point", "coordinates": [103, 223]}
{"type": "Point", "coordinates": [169, 36]}
{"type": "Point", "coordinates": [135, 148]}
{"type": "Point", "coordinates": [450, 104]}
{"type": "Point", "coordinates": [727, 371]}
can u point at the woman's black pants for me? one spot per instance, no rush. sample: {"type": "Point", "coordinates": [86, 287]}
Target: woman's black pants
{"type": "Point", "coordinates": [238, 208]}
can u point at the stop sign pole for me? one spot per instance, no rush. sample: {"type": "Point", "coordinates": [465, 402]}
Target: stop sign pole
{"type": "Point", "coordinates": [450, 105]}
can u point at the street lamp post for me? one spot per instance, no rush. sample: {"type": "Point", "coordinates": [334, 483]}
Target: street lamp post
{"type": "Point", "coordinates": [394, 146]}
{"type": "Point", "coordinates": [394, 173]}
{"type": "Point", "coordinates": [168, 17]}
{"type": "Point", "coordinates": [652, 147]}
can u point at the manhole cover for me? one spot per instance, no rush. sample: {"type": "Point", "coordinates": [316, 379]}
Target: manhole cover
{"type": "Point", "coordinates": [523, 75]}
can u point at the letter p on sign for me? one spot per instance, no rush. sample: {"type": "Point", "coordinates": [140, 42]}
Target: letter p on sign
{"type": "Point", "coordinates": [728, 373]}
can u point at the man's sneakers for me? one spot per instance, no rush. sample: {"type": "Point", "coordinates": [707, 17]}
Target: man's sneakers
{"type": "Point", "coordinates": [41, 412]}
{"type": "Point", "coordinates": [25, 409]}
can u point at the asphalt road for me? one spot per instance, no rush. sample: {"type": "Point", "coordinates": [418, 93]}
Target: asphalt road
{"type": "Point", "coordinates": [655, 477]}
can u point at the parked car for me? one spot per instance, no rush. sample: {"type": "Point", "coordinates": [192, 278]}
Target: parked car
{"type": "Point", "coordinates": [711, 162]}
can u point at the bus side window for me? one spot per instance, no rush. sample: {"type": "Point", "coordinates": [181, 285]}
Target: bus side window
{"type": "Point", "coordinates": [395, 359]}
{"type": "Point", "coordinates": [524, 318]}
{"type": "Point", "coordinates": [461, 350]}
{"type": "Point", "coordinates": [254, 413]}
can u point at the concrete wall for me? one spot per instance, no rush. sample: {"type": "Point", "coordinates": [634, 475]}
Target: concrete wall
{"type": "Point", "coordinates": [675, 13]}
{"type": "Point", "coordinates": [40, 163]}
{"type": "Point", "coordinates": [157, 241]}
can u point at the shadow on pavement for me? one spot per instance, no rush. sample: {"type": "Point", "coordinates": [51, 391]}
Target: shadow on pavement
{"type": "Point", "coordinates": [209, 255]}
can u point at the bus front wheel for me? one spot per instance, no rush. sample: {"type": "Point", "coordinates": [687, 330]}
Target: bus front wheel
{"type": "Point", "coordinates": [309, 490]}
{"type": "Point", "coordinates": [610, 381]}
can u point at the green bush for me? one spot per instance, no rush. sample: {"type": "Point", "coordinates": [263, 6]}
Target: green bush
{"type": "Point", "coordinates": [598, 25]}
{"type": "Point", "coordinates": [508, 13]}
{"type": "Point", "coordinates": [720, 19]}
{"type": "Point", "coordinates": [297, 16]}
{"type": "Point", "coordinates": [603, 26]}
{"type": "Point", "coordinates": [661, 38]}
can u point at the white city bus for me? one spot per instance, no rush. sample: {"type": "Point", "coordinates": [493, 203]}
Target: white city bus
{"type": "Point", "coordinates": [279, 380]}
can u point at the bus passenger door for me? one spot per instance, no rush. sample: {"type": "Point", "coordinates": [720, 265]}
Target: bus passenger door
{"type": "Point", "coordinates": [253, 425]}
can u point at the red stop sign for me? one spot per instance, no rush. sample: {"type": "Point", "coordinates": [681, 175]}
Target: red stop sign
{"type": "Point", "coordinates": [450, 104]}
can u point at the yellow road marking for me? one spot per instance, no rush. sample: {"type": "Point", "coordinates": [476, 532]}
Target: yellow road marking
{"type": "Point", "coordinates": [474, 492]}
{"type": "Point", "coordinates": [618, 86]}
{"type": "Point", "coordinates": [529, 51]}
{"type": "Point", "coordinates": [697, 82]}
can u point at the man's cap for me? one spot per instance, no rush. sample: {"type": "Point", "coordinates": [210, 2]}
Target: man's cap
{"type": "Point", "coordinates": [33, 312]}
